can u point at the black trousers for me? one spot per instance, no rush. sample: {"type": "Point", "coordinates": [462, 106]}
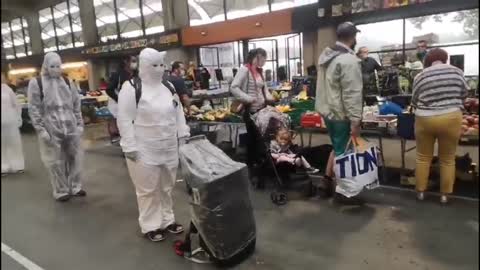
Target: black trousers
{"type": "Point", "coordinates": [254, 141]}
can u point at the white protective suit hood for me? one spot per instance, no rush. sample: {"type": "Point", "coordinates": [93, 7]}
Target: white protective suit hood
{"type": "Point", "coordinates": [152, 66]}
{"type": "Point", "coordinates": [52, 65]}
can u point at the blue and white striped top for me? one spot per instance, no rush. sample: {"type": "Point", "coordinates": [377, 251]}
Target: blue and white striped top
{"type": "Point", "coordinates": [439, 89]}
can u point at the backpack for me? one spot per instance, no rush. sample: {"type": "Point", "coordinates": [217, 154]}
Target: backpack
{"type": "Point", "coordinates": [137, 84]}
{"type": "Point", "coordinates": [40, 85]}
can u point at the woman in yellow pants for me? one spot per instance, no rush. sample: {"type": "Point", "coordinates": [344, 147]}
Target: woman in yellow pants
{"type": "Point", "coordinates": [438, 95]}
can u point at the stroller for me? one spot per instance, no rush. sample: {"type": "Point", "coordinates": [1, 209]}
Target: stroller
{"type": "Point", "coordinates": [222, 214]}
{"type": "Point", "coordinates": [286, 176]}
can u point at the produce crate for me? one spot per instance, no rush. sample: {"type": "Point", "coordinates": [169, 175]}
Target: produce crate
{"type": "Point", "coordinates": [299, 108]}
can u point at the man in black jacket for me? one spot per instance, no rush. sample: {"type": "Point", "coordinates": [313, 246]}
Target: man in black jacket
{"type": "Point", "coordinates": [127, 70]}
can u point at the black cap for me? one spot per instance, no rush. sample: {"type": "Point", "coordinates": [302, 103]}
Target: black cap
{"type": "Point", "coordinates": [346, 30]}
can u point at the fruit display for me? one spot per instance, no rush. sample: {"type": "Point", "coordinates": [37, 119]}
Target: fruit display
{"type": "Point", "coordinates": [470, 125]}
{"type": "Point", "coordinates": [219, 115]}
{"type": "Point", "coordinates": [94, 93]}
{"type": "Point", "coordinates": [471, 105]}
{"type": "Point", "coordinates": [283, 108]}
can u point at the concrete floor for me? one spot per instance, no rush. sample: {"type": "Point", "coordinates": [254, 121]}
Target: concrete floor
{"type": "Point", "coordinates": [101, 230]}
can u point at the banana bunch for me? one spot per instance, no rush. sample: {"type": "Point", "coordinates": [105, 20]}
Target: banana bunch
{"type": "Point", "coordinates": [283, 109]}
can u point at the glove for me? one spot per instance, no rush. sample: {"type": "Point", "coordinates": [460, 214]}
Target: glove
{"type": "Point", "coordinates": [131, 155]}
{"type": "Point", "coordinates": [182, 141]}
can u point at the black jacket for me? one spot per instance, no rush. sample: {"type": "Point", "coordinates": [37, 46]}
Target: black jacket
{"type": "Point", "coordinates": [115, 83]}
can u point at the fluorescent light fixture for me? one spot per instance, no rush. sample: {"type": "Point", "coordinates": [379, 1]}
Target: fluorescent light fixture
{"type": "Point", "coordinates": [74, 65]}
{"type": "Point", "coordinates": [22, 71]}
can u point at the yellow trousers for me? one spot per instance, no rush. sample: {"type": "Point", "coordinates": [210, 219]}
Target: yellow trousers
{"type": "Point", "coordinates": [446, 130]}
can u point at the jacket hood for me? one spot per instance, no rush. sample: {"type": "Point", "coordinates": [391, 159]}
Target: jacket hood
{"type": "Point", "coordinates": [330, 53]}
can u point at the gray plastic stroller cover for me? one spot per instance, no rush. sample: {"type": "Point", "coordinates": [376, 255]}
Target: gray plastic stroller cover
{"type": "Point", "coordinates": [221, 208]}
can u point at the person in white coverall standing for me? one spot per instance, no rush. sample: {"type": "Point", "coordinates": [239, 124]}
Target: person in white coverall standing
{"type": "Point", "coordinates": [149, 132]}
{"type": "Point", "coordinates": [54, 109]}
{"type": "Point", "coordinates": [12, 151]}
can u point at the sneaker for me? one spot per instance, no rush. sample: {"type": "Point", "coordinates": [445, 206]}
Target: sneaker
{"type": "Point", "coordinates": [81, 193]}
{"type": "Point", "coordinates": [64, 198]}
{"type": "Point", "coordinates": [175, 228]}
{"type": "Point", "coordinates": [341, 199]}
{"type": "Point", "coordinates": [155, 236]}
{"type": "Point", "coordinates": [444, 199]}
{"type": "Point", "coordinates": [420, 196]}
{"type": "Point", "coordinates": [312, 170]}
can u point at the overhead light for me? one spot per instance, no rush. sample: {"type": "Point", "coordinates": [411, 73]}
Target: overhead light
{"type": "Point", "coordinates": [22, 71]}
{"type": "Point", "coordinates": [74, 65]}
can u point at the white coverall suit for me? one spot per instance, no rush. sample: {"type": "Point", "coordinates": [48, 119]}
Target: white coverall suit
{"type": "Point", "coordinates": [12, 152]}
{"type": "Point", "coordinates": [150, 134]}
{"type": "Point", "coordinates": [57, 119]}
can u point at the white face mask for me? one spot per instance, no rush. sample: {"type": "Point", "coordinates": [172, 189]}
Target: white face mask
{"type": "Point", "coordinates": [182, 72]}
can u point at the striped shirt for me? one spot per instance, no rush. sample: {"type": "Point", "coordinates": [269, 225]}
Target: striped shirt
{"type": "Point", "coordinates": [439, 89]}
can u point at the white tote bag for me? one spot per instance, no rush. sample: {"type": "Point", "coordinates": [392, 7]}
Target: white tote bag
{"type": "Point", "coordinates": [357, 168]}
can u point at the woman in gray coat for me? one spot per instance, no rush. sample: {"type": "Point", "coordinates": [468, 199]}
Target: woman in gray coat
{"type": "Point", "coordinates": [248, 87]}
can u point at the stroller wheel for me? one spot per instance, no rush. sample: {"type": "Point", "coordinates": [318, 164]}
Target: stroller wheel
{"type": "Point", "coordinates": [279, 198]}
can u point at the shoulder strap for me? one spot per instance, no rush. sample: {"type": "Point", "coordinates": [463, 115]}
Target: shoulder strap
{"type": "Point", "coordinates": [40, 86]}
{"type": "Point", "coordinates": [137, 85]}
{"type": "Point", "coordinates": [170, 87]}
{"type": "Point", "coordinates": [67, 81]}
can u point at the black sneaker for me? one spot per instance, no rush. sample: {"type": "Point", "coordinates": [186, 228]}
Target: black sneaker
{"type": "Point", "coordinates": [81, 193]}
{"type": "Point", "coordinates": [64, 198]}
{"type": "Point", "coordinates": [156, 236]}
{"type": "Point", "coordinates": [343, 200]}
{"type": "Point", "coordinates": [175, 228]}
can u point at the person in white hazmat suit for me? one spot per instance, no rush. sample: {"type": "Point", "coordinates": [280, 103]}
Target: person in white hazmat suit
{"type": "Point", "coordinates": [54, 109]}
{"type": "Point", "coordinates": [150, 132]}
{"type": "Point", "coordinates": [12, 151]}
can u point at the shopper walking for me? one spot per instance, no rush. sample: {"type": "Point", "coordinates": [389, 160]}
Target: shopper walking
{"type": "Point", "coordinates": [12, 151]}
{"type": "Point", "coordinates": [248, 87]}
{"type": "Point", "coordinates": [438, 95]}
{"type": "Point", "coordinates": [54, 109]}
{"type": "Point", "coordinates": [150, 126]}
{"type": "Point", "coordinates": [126, 71]}
{"type": "Point", "coordinates": [339, 95]}
{"type": "Point", "coordinates": [177, 78]}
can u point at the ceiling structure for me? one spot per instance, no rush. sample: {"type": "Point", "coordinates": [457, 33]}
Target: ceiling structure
{"type": "Point", "coordinates": [12, 9]}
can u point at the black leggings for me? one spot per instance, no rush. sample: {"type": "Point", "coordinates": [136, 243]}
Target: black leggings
{"type": "Point", "coordinates": [254, 141]}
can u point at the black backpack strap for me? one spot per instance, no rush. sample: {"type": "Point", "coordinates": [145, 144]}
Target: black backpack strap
{"type": "Point", "coordinates": [137, 85]}
{"type": "Point", "coordinates": [40, 87]}
{"type": "Point", "coordinates": [170, 87]}
{"type": "Point", "coordinates": [67, 81]}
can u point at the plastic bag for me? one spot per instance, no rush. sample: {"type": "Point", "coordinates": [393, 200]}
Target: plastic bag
{"type": "Point", "coordinates": [221, 208]}
{"type": "Point", "coordinates": [357, 168]}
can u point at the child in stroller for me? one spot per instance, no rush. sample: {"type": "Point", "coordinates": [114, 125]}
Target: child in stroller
{"type": "Point", "coordinates": [280, 149]}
